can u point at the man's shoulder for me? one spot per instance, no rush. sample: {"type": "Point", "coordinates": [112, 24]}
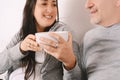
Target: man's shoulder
{"type": "Point", "coordinates": [93, 31]}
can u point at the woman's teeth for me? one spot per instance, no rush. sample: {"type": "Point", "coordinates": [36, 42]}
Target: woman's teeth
{"type": "Point", "coordinates": [49, 17]}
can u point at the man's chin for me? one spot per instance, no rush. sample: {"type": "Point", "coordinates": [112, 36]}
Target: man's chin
{"type": "Point", "coordinates": [95, 21]}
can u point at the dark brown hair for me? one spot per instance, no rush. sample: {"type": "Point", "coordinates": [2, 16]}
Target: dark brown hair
{"type": "Point", "coordinates": [29, 27]}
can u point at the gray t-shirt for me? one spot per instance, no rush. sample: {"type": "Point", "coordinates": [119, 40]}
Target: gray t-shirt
{"type": "Point", "coordinates": [101, 54]}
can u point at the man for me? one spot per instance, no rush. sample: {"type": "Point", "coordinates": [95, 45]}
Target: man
{"type": "Point", "coordinates": [100, 52]}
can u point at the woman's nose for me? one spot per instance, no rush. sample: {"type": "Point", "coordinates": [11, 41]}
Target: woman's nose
{"type": "Point", "coordinates": [49, 9]}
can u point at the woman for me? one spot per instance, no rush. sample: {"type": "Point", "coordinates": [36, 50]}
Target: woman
{"type": "Point", "coordinates": [20, 56]}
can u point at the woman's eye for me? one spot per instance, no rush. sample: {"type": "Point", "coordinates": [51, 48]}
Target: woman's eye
{"type": "Point", "coordinates": [54, 5]}
{"type": "Point", "coordinates": [44, 4]}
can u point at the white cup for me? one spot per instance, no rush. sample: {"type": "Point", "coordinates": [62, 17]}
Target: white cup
{"type": "Point", "coordinates": [63, 34]}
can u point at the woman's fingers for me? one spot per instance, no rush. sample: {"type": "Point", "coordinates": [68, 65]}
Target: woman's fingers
{"type": "Point", "coordinates": [57, 37]}
{"type": "Point", "coordinates": [29, 43]}
{"type": "Point", "coordinates": [48, 42]}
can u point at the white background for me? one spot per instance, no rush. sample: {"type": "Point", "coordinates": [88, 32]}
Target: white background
{"type": "Point", "coordinates": [10, 19]}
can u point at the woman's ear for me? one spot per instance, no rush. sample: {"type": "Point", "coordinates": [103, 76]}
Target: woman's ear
{"type": "Point", "coordinates": [118, 3]}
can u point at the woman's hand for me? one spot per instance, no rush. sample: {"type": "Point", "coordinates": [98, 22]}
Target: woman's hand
{"type": "Point", "coordinates": [61, 50]}
{"type": "Point", "coordinates": [29, 43]}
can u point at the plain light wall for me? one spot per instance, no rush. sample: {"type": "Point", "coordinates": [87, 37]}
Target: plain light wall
{"type": "Point", "coordinates": [71, 12]}
{"type": "Point", "coordinates": [10, 19]}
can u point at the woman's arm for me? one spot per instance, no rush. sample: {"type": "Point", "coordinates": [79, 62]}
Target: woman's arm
{"type": "Point", "coordinates": [11, 54]}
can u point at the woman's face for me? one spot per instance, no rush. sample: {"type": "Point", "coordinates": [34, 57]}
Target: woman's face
{"type": "Point", "coordinates": [45, 13]}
